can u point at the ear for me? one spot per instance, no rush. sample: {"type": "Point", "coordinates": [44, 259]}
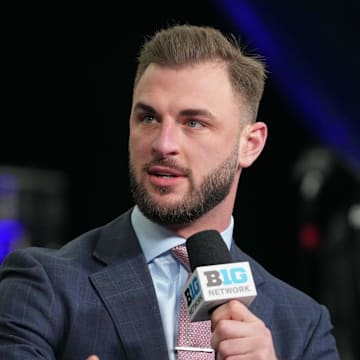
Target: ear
{"type": "Point", "coordinates": [252, 142]}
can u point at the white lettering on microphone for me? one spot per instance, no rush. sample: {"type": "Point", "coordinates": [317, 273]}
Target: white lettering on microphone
{"type": "Point", "coordinates": [194, 306]}
{"type": "Point", "coordinates": [228, 290]}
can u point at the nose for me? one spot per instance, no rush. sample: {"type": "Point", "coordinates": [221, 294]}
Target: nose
{"type": "Point", "coordinates": [166, 141]}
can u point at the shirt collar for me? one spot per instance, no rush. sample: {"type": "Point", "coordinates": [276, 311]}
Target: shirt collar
{"type": "Point", "coordinates": [155, 239]}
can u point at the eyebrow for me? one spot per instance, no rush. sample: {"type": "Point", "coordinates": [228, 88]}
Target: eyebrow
{"type": "Point", "coordinates": [144, 107]}
{"type": "Point", "coordinates": [197, 112]}
{"type": "Point", "coordinates": [186, 112]}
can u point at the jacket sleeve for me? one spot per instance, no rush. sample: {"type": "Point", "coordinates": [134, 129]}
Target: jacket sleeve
{"type": "Point", "coordinates": [30, 317]}
{"type": "Point", "coordinates": [321, 344]}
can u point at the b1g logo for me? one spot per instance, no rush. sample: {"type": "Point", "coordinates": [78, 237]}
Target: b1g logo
{"type": "Point", "coordinates": [233, 276]}
{"type": "Point", "coordinates": [192, 291]}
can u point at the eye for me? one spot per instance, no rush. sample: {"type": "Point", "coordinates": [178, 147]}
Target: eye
{"type": "Point", "coordinates": [148, 119]}
{"type": "Point", "coordinates": [193, 123]}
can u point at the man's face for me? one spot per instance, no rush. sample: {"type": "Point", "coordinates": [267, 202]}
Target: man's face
{"type": "Point", "coordinates": [184, 139]}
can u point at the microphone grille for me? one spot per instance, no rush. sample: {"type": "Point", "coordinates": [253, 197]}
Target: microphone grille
{"type": "Point", "coordinates": [207, 247]}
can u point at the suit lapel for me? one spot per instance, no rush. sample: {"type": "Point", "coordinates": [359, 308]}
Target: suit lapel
{"type": "Point", "coordinates": [126, 288]}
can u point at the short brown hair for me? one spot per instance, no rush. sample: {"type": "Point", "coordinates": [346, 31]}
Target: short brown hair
{"type": "Point", "coordinates": [190, 44]}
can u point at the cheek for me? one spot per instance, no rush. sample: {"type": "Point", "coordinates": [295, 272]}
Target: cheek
{"type": "Point", "coordinates": [139, 151]}
{"type": "Point", "coordinates": [136, 142]}
{"type": "Point", "coordinates": [139, 140]}
{"type": "Point", "coordinates": [201, 165]}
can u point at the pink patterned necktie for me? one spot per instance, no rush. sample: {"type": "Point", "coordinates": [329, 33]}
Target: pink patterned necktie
{"type": "Point", "coordinates": [193, 340]}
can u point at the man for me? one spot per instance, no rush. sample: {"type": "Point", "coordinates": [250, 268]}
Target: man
{"type": "Point", "coordinates": [115, 291]}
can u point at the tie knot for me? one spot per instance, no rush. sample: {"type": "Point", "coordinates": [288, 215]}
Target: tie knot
{"type": "Point", "coordinates": [180, 253]}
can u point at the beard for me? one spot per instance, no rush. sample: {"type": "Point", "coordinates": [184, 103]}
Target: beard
{"type": "Point", "coordinates": [196, 202]}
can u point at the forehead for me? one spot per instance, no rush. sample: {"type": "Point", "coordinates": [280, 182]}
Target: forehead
{"type": "Point", "coordinates": [205, 83]}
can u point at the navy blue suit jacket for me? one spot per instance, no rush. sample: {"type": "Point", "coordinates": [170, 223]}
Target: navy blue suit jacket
{"type": "Point", "coordinates": [95, 296]}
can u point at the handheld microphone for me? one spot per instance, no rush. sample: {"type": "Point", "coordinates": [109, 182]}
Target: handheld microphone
{"type": "Point", "coordinates": [215, 279]}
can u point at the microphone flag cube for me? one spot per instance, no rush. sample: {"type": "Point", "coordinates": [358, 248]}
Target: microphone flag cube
{"type": "Point", "coordinates": [213, 285]}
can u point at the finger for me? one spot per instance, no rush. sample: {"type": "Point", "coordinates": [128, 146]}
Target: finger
{"type": "Point", "coordinates": [228, 329]}
{"type": "Point", "coordinates": [93, 357]}
{"type": "Point", "coordinates": [239, 338]}
{"type": "Point", "coordinates": [232, 310]}
{"type": "Point", "coordinates": [234, 329]}
{"type": "Point", "coordinates": [233, 347]}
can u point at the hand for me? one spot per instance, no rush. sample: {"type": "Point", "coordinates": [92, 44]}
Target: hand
{"type": "Point", "coordinates": [239, 334]}
{"type": "Point", "coordinates": [93, 357]}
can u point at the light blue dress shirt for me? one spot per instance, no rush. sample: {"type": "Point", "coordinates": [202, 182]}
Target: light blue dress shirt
{"type": "Point", "coordinates": [168, 275]}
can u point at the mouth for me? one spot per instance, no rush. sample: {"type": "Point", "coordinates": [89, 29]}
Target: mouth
{"type": "Point", "coordinates": [164, 176]}
{"type": "Point", "coordinates": [164, 172]}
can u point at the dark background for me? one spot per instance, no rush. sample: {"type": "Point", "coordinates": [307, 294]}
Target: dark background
{"type": "Point", "coordinates": [69, 98]}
